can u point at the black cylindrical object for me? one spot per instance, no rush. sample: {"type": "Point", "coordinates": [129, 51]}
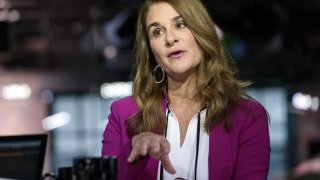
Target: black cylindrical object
{"type": "Point", "coordinates": [87, 168]}
{"type": "Point", "coordinates": [109, 168]}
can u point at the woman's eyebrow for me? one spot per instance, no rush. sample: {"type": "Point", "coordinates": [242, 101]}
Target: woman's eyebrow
{"type": "Point", "coordinates": [156, 24]}
{"type": "Point", "coordinates": [176, 18]}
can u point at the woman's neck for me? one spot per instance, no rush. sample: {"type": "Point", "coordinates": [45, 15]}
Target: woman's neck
{"type": "Point", "coordinates": [182, 90]}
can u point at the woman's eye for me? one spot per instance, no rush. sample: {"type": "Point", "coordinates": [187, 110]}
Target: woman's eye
{"type": "Point", "coordinates": [180, 25]}
{"type": "Point", "coordinates": [157, 32]}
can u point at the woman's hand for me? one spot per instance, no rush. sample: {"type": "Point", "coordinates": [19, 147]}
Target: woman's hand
{"type": "Point", "coordinates": [154, 145]}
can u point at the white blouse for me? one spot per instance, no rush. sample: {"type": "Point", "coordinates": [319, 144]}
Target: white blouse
{"type": "Point", "coordinates": [183, 157]}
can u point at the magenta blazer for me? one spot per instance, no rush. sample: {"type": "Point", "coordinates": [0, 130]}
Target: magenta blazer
{"type": "Point", "coordinates": [242, 154]}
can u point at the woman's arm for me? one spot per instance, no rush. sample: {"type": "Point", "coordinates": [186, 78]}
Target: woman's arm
{"type": "Point", "coordinates": [112, 141]}
{"type": "Point", "coordinates": [253, 156]}
{"type": "Point", "coordinates": [117, 143]}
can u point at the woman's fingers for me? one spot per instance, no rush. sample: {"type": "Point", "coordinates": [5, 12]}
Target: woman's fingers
{"type": "Point", "coordinates": [165, 146]}
{"type": "Point", "coordinates": [139, 148]}
{"type": "Point", "coordinates": [132, 156]}
{"type": "Point", "coordinates": [154, 149]}
{"type": "Point", "coordinates": [165, 160]}
{"type": "Point", "coordinates": [166, 163]}
{"type": "Point", "coordinates": [155, 145]}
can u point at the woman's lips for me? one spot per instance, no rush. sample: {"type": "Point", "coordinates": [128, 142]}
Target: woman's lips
{"type": "Point", "coordinates": [176, 54]}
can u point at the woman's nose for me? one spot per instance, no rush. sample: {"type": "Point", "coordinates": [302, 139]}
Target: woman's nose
{"type": "Point", "coordinates": [171, 38]}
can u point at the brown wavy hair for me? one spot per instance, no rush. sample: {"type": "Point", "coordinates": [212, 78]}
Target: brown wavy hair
{"type": "Point", "coordinates": [216, 84]}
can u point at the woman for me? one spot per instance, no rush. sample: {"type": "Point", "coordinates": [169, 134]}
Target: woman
{"type": "Point", "coordinates": [191, 121]}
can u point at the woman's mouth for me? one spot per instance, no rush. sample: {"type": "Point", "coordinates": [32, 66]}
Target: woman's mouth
{"type": "Point", "coordinates": [176, 54]}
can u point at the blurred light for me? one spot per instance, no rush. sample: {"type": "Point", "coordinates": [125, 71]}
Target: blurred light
{"type": "Point", "coordinates": [219, 32]}
{"type": "Point", "coordinates": [56, 120]}
{"type": "Point", "coordinates": [14, 16]}
{"type": "Point", "coordinates": [4, 15]}
{"type": "Point", "coordinates": [116, 89]}
{"type": "Point", "coordinates": [10, 16]}
{"type": "Point", "coordinates": [112, 27]}
{"type": "Point", "coordinates": [110, 52]}
{"type": "Point", "coordinates": [239, 48]}
{"type": "Point", "coordinates": [47, 96]}
{"type": "Point", "coordinates": [2, 4]}
{"type": "Point", "coordinates": [305, 102]}
{"type": "Point", "coordinates": [315, 104]}
{"type": "Point", "coordinates": [16, 92]}
{"type": "Point", "coordinates": [301, 101]}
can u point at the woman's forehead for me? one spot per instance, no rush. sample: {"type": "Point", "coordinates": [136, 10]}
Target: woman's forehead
{"type": "Point", "coordinates": [160, 12]}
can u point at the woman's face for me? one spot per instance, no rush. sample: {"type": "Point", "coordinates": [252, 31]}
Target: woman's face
{"type": "Point", "coordinates": [172, 42]}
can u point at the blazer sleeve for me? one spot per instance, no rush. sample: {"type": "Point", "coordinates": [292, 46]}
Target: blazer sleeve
{"type": "Point", "coordinates": [116, 142]}
{"type": "Point", "coordinates": [112, 141]}
{"type": "Point", "coordinates": [253, 156]}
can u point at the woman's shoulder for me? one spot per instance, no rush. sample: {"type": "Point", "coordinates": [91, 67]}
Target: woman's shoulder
{"type": "Point", "coordinates": [248, 116]}
{"type": "Point", "coordinates": [249, 109]}
{"type": "Point", "coordinates": [249, 105]}
{"type": "Point", "coordinates": [125, 100]}
{"type": "Point", "coordinates": [125, 104]}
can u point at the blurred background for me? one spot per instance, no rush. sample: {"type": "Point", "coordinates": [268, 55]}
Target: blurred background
{"type": "Point", "coordinates": [62, 62]}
